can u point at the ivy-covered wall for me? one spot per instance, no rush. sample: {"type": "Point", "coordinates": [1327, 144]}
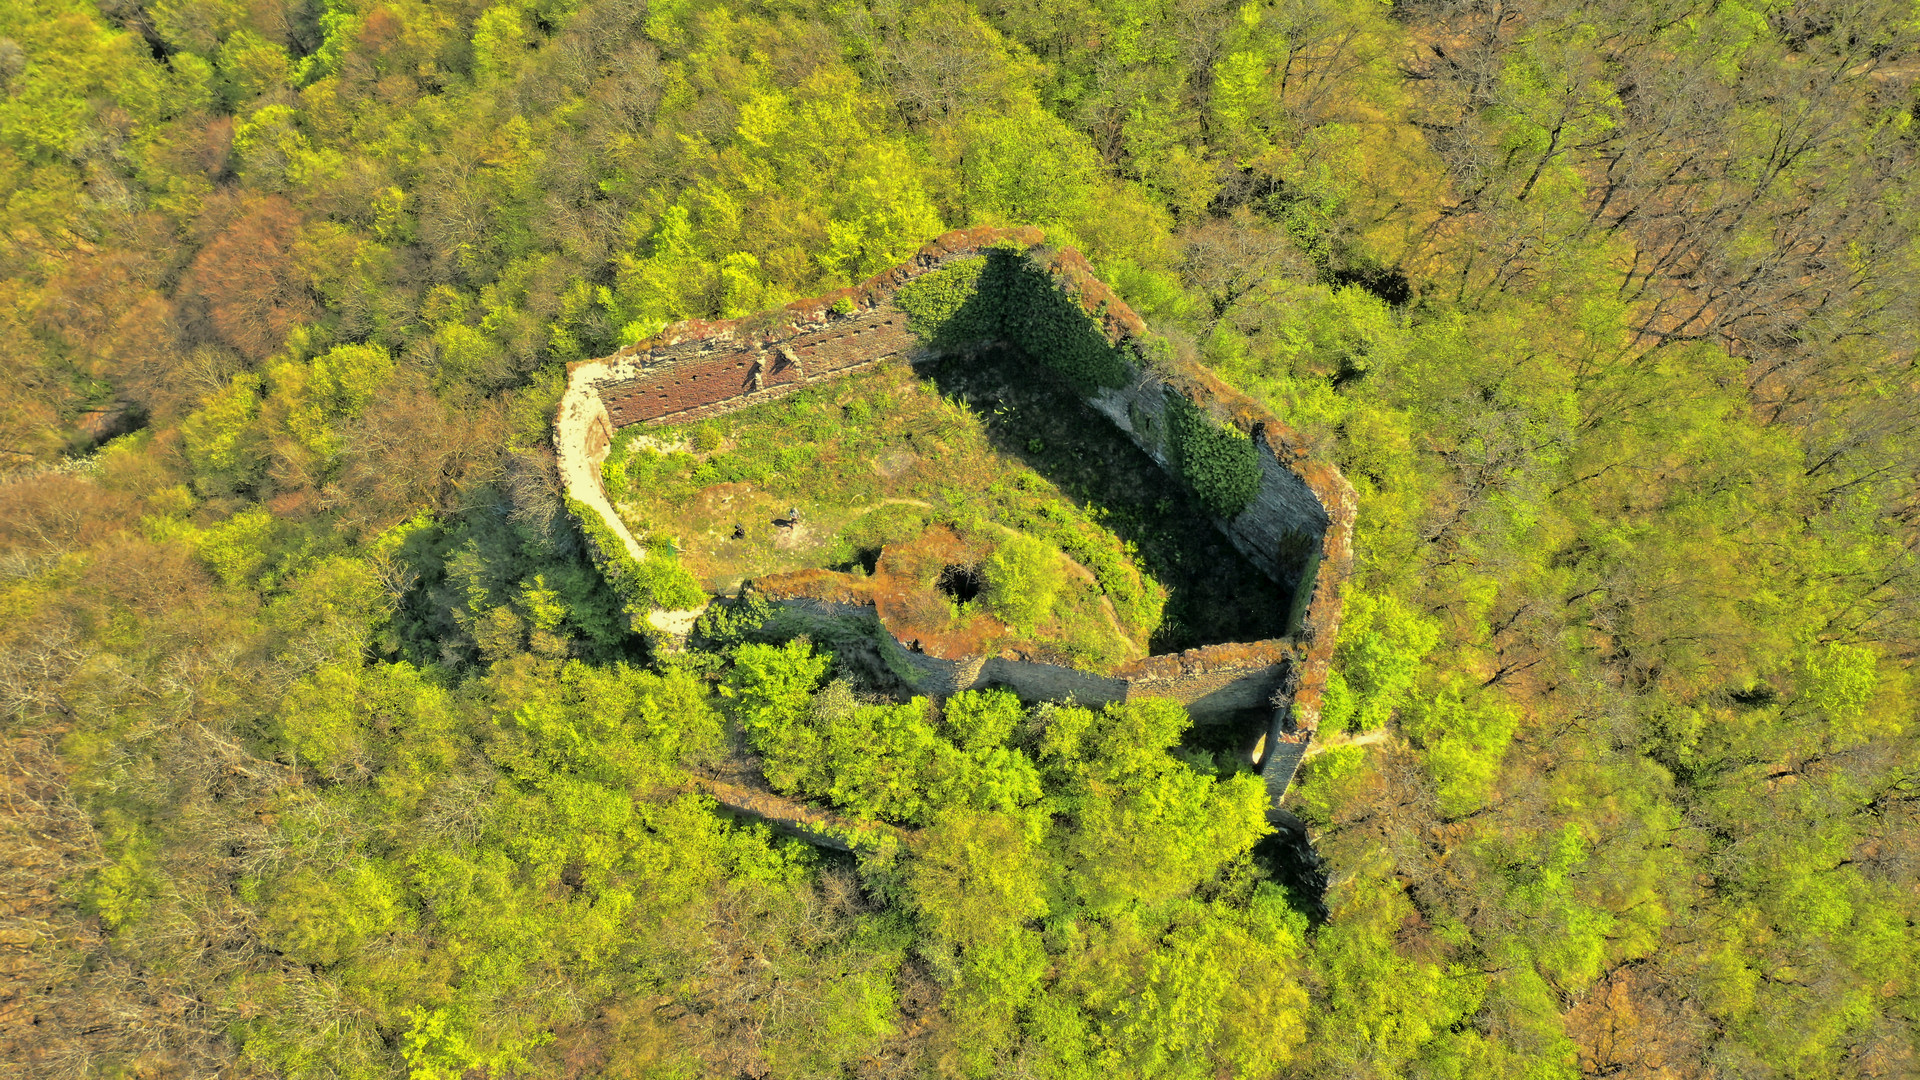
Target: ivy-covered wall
{"type": "Point", "coordinates": [1027, 297]}
{"type": "Point", "coordinates": [1218, 462]}
{"type": "Point", "coordinates": [1012, 293]}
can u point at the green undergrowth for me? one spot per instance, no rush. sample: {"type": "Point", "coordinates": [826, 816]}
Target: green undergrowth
{"type": "Point", "coordinates": [655, 583]}
{"type": "Point", "coordinates": [876, 458]}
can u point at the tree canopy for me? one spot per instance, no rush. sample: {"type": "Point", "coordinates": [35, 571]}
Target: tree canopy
{"type": "Point", "coordinates": [329, 752]}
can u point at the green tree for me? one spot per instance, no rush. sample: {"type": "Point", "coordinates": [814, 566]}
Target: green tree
{"type": "Point", "coordinates": [1023, 578]}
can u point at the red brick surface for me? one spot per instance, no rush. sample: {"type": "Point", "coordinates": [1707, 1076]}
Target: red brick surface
{"type": "Point", "coordinates": [687, 379]}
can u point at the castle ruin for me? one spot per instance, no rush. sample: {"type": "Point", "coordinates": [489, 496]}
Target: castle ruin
{"type": "Point", "coordinates": [1297, 528]}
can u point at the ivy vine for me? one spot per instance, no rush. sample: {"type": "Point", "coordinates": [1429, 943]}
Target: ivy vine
{"type": "Point", "coordinates": [1219, 462]}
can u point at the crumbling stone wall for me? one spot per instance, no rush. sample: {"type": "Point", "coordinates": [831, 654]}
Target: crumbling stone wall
{"type": "Point", "coordinates": [1215, 682]}
{"type": "Point", "coordinates": [1298, 527]}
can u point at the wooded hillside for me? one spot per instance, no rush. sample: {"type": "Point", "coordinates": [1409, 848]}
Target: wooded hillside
{"type": "Point", "coordinates": [329, 753]}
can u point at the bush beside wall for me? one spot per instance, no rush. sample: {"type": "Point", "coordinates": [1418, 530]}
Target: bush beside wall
{"type": "Point", "coordinates": [657, 583]}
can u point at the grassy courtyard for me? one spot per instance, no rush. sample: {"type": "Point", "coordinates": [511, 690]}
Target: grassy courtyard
{"type": "Point", "coordinates": [830, 475]}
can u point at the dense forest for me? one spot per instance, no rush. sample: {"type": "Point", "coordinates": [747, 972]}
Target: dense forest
{"type": "Point", "coordinates": [328, 752]}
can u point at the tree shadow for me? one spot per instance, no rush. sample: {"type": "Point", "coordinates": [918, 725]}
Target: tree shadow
{"type": "Point", "coordinates": [1215, 594]}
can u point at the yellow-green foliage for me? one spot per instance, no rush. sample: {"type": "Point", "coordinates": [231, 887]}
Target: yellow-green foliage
{"type": "Point", "coordinates": [813, 189]}
{"type": "Point", "coordinates": [1147, 826]}
{"type": "Point", "coordinates": [1024, 575]}
{"type": "Point", "coordinates": [1326, 780]}
{"type": "Point", "coordinates": [1378, 658]}
{"type": "Point", "coordinates": [323, 919]}
{"type": "Point", "coordinates": [982, 718]}
{"type": "Point", "coordinates": [1606, 317]}
{"type": "Point", "coordinates": [223, 442]}
{"type": "Point", "coordinates": [289, 422]}
{"type": "Point", "coordinates": [1465, 735]}
{"type": "Point", "coordinates": [66, 63]}
{"type": "Point", "coordinates": [240, 548]}
{"type": "Point", "coordinates": [655, 583]}
{"type": "Point", "coordinates": [875, 760]}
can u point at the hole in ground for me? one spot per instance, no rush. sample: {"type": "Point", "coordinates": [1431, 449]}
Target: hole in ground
{"type": "Point", "coordinates": [865, 560]}
{"type": "Point", "coordinates": [963, 583]}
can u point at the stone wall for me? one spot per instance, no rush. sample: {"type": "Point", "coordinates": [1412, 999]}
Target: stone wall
{"type": "Point", "coordinates": [1216, 683]}
{"type": "Point", "coordinates": [686, 381]}
{"type": "Point", "coordinates": [1298, 528]}
{"type": "Point", "coordinates": [1281, 529]}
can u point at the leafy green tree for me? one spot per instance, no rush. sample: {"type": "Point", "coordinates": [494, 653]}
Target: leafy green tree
{"type": "Point", "coordinates": [1147, 826]}
{"type": "Point", "coordinates": [325, 920]}
{"type": "Point", "coordinates": [1465, 738]}
{"type": "Point", "coordinates": [983, 719]}
{"type": "Point", "coordinates": [771, 688]}
{"type": "Point", "coordinates": [1023, 578]}
{"type": "Point", "coordinates": [1378, 661]}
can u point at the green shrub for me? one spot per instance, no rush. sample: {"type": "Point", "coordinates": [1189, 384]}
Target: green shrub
{"type": "Point", "coordinates": [1023, 577]}
{"type": "Point", "coordinates": [657, 583]}
{"type": "Point", "coordinates": [1326, 780]}
{"type": "Point", "coordinates": [323, 919]}
{"type": "Point", "coordinates": [1376, 662]}
{"type": "Point", "coordinates": [613, 477]}
{"type": "Point", "coordinates": [772, 688]}
{"type": "Point", "coordinates": [241, 548]}
{"type": "Point", "coordinates": [662, 584]}
{"type": "Point", "coordinates": [1464, 735]}
{"type": "Point", "coordinates": [725, 625]}
{"type": "Point", "coordinates": [983, 719]}
{"type": "Point", "coordinates": [1220, 463]}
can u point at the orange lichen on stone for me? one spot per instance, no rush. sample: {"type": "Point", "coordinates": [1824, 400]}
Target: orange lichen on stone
{"type": "Point", "coordinates": [917, 613]}
{"type": "Point", "coordinates": [1212, 659]}
{"type": "Point", "coordinates": [823, 586]}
